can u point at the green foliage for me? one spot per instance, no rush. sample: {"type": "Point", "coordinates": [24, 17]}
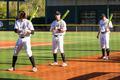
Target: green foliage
{"type": "Point", "coordinates": [28, 6]}
{"type": "Point", "coordinates": [2, 10]}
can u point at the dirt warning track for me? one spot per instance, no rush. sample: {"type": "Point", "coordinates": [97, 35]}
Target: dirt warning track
{"type": "Point", "coordinates": [11, 44]}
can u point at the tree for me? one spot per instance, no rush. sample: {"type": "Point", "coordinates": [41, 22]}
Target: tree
{"type": "Point", "coordinates": [28, 6]}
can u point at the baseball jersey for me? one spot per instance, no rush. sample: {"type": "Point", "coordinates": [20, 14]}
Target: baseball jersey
{"type": "Point", "coordinates": [22, 26]}
{"type": "Point", "coordinates": [103, 24]}
{"type": "Point", "coordinates": [60, 25]}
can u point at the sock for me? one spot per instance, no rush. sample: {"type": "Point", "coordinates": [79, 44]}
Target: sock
{"type": "Point", "coordinates": [63, 57]}
{"type": "Point", "coordinates": [32, 61]}
{"type": "Point", "coordinates": [108, 51]}
{"type": "Point", "coordinates": [55, 57]}
{"type": "Point", "coordinates": [14, 61]}
{"type": "Point", "coordinates": [103, 52]}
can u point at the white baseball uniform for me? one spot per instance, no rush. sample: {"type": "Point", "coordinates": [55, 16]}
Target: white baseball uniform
{"type": "Point", "coordinates": [23, 40]}
{"type": "Point", "coordinates": [58, 38]}
{"type": "Point", "coordinates": [104, 36]}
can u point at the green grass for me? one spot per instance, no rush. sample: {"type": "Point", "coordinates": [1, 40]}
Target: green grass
{"type": "Point", "coordinates": [9, 76]}
{"type": "Point", "coordinates": [77, 44]}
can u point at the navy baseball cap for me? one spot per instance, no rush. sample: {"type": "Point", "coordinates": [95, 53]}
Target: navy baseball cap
{"type": "Point", "coordinates": [57, 13]}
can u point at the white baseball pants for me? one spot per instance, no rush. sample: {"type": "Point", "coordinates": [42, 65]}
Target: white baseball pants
{"type": "Point", "coordinates": [57, 44]}
{"type": "Point", "coordinates": [104, 40]}
{"type": "Point", "coordinates": [23, 42]}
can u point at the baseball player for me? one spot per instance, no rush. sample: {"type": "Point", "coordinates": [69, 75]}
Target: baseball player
{"type": "Point", "coordinates": [24, 29]}
{"type": "Point", "coordinates": [104, 34]}
{"type": "Point", "coordinates": [58, 28]}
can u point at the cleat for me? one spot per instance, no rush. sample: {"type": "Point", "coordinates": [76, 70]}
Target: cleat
{"type": "Point", "coordinates": [105, 58]}
{"type": "Point", "coordinates": [64, 64]}
{"type": "Point", "coordinates": [34, 69]}
{"type": "Point", "coordinates": [11, 69]}
{"type": "Point", "coordinates": [53, 64]}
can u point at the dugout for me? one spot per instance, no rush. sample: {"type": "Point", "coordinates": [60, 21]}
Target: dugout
{"type": "Point", "coordinates": [84, 12]}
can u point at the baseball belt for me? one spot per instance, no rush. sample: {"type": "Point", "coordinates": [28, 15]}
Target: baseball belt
{"type": "Point", "coordinates": [22, 37]}
{"type": "Point", "coordinates": [103, 32]}
{"type": "Point", "coordinates": [57, 35]}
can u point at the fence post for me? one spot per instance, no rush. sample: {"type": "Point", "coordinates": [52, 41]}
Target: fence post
{"type": "Point", "coordinates": [7, 13]}
{"type": "Point", "coordinates": [76, 28]}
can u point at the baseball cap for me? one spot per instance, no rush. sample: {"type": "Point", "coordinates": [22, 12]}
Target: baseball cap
{"type": "Point", "coordinates": [103, 15]}
{"type": "Point", "coordinates": [22, 14]}
{"type": "Point", "coordinates": [57, 13]}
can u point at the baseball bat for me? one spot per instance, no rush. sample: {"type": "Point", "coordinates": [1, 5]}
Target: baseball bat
{"type": "Point", "coordinates": [63, 17]}
{"type": "Point", "coordinates": [66, 13]}
{"type": "Point", "coordinates": [111, 16]}
{"type": "Point", "coordinates": [34, 13]}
